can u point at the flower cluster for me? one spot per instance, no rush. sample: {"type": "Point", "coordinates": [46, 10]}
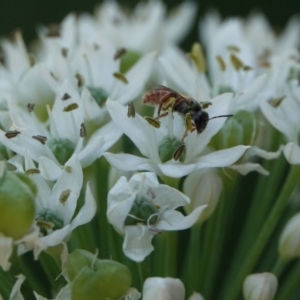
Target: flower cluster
{"type": "Point", "coordinates": [117, 197]}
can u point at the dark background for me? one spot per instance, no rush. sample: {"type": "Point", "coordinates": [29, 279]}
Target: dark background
{"type": "Point", "coordinates": [26, 14]}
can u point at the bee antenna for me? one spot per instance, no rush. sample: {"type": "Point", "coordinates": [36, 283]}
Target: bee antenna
{"type": "Point", "coordinates": [222, 116]}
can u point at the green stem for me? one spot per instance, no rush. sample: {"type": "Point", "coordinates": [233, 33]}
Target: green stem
{"type": "Point", "coordinates": [191, 268]}
{"type": "Point", "coordinates": [144, 271]}
{"type": "Point", "coordinates": [237, 275]}
{"type": "Point", "coordinates": [265, 191]}
{"type": "Point", "coordinates": [290, 284]}
{"type": "Point", "coordinates": [279, 267]}
{"type": "Point", "coordinates": [171, 254]}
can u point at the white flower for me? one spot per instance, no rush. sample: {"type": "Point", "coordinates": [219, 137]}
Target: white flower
{"type": "Point", "coordinates": [261, 286]}
{"type": "Point", "coordinates": [66, 130]}
{"type": "Point", "coordinates": [146, 28]}
{"type": "Point", "coordinates": [148, 139]}
{"type": "Point", "coordinates": [163, 288]}
{"type": "Point", "coordinates": [141, 207]}
{"type": "Point", "coordinates": [56, 204]}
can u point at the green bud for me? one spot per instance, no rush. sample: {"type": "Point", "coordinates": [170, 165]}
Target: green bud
{"type": "Point", "coordinates": [238, 130]}
{"type": "Point", "coordinates": [128, 60]}
{"type": "Point", "coordinates": [167, 147]}
{"type": "Point", "coordinates": [97, 279]}
{"type": "Point", "coordinates": [141, 210]}
{"type": "Point", "coordinates": [62, 149]}
{"type": "Point", "coordinates": [17, 207]}
{"type": "Point", "coordinates": [99, 94]}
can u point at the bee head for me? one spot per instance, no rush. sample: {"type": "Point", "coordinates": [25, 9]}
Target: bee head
{"type": "Point", "coordinates": [200, 119]}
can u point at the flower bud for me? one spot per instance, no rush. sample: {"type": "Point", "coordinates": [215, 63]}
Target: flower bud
{"type": "Point", "coordinates": [96, 279]}
{"type": "Point", "coordinates": [167, 147]}
{"type": "Point", "coordinates": [62, 149]}
{"type": "Point", "coordinates": [128, 60]}
{"type": "Point", "coordinates": [163, 288]}
{"type": "Point", "coordinates": [261, 286]}
{"type": "Point", "coordinates": [289, 241]}
{"type": "Point", "coordinates": [238, 130]}
{"type": "Point", "coordinates": [17, 206]}
{"type": "Point", "coordinates": [203, 188]}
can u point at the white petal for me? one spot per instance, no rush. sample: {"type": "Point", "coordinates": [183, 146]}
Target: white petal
{"type": "Point", "coordinates": [137, 242]}
{"type": "Point", "coordinates": [179, 23]}
{"type": "Point", "coordinates": [49, 169]}
{"type": "Point", "coordinates": [119, 202]}
{"type": "Point", "coordinates": [128, 162]}
{"type": "Point", "coordinates": [174, 220]}
{"type": "Point", "coordinates": [221, 158]}
{"type": "Point", "coordinates": [196, 296]}
{"type": "Point", "coordinates": [71, 181]}
{"type": "Point", "coordinates": [176, 170]}
{"type": "Point", "coordinates": [91, 109]}
{"type": "Point", "coordinates": [137, 77]}
{"type": "Point", "coordinates": [87, 211]}
{"type": "Point", "coordinates": [292, 153]}
{"type": "Point", "coordinates": [54, 238]}
{"type": "Point", "coordinates": [246, 168]}
{"type": "Point", "coordinates": [137, 129]}
{"type": "Point", "coordinates": [91, 151]}
{"type": "Point", "coordinates": [6, 249]}
{"type": "Point", "coordinates": [163, 289]}
{"type": "Point", "coordinates": [265, 154]}
{"type": "Point", "coordinates": [168, 197]}
{"type": "Point", "coordinates": [16, 290]}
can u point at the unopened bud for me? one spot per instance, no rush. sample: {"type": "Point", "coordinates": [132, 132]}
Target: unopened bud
{"type": "Point", "coordinates": [17, 204]}
{"type": "Point", "coordinates": [96, 279]}
{"type": "Point", "coordinates": [261, 286]}
{"type": "Point", "coordinates": [163, 288]}
{"type": "Point", "coordinates": [289, 242]}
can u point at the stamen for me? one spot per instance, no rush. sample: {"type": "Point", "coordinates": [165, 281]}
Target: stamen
{"type": "Point", "coordinates": [178, 152]}
{"type": "Point", "coordinates": [65, 97]}
{"type": "Point", "coordinates": [40, 138]}
{"type": "Point", "coordinates": [120, 77]}
{"type": "Point", "coordinates": [12, 133]}
{"type": "Point", "coordinates": [131, 110]}
{"type": "Point", "coordinates": [120, 52]}
{"type": "Point", "coordinates": [233, 48]}
{"type": "Point", "coordinates": [236, 62]}
{"type": "Point", "coordinates": [71, 107]}
{"type": "Point", "coordinates": [80, 80]}
{"type": "Point", "coordinates": [221, 62]}
{"type": "Point", "coordinates": [30, 107]}
{"type": "Point", "coordinates": [32, 171]}
{"type": "Point", "coordinates": [276, 101]}
{"type": "Point", "coordinates": [64, 196]}
{"type": "Point", "coordinates": [152, 122]}
{"type": "Point", "coordinates": [82, 130]}
{"type": "Point", "coordinates": [68, 169]}
{"type": "Point", "coordinates": [64, 52]}
{"type": "Point", "coordinates": [170, 123]}
{"type": "Point", "coordinates": [197, 56]}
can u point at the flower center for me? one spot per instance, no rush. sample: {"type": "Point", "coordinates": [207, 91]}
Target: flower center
{"type": "Point", "coordinates": [99, 94]}
{"type": "Point", "coordinates": [49, 221]}
{"type": "Point", "coordinates": [62, 149]}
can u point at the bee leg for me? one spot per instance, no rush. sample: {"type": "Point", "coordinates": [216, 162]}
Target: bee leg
{"type": "Point", "coordinates": [162, 101]}
{"type": "Point", "coordinates": [184, 135]}
{"type": "Point", "coordinates": [162, 115]}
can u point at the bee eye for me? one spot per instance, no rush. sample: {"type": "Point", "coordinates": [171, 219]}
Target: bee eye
{"type": "Point", "coordinates": [200, 119]}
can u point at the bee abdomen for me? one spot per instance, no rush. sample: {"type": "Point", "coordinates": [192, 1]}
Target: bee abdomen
{"type": "Point", "coordinates": [154, 97]}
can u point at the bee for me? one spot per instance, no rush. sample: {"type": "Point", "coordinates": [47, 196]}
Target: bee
{"type": "Point", "coordinates": [195, 117]}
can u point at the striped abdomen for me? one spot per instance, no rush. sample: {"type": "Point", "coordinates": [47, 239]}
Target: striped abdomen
{"type": "Point", "coordinates": [157, 96]}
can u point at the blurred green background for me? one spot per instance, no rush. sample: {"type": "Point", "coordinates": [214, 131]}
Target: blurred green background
{"type": "Point", "coordinates": [27, 14]}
